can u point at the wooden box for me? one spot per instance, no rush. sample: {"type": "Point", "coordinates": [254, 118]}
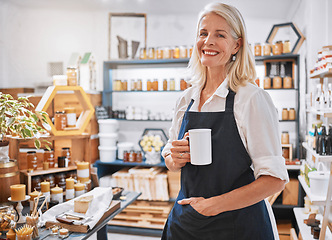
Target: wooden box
{"type": "Point", "coordinates": [287, 151]}
{"type": "Point", "coordinates": [291, 192]}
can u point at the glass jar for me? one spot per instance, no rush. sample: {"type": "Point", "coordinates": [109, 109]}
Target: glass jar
{"type": "Point", "coordinates": [267, 82]}
{"type": "Point", "coordinates": [258, 49]}
{"type": "Point", "coordinates": [159, 53]}
{"type": "Point", "coordinates": [32, 160]}
{"type": "Point", "coordinates": [155, 85]}
{"type": "Point", "coordinates": [176, 52]}
{"type": "Point", "coordinates": [286, 47]}
{"type": "Point", "coordinates": [288, 82]}
{"type": "Point", "coordinates": [183, 84]}
{"type": "Point", "coordinates": [66, 152]}
{"type": "Point", "coordinates": [277, 82]}
{"type": "Point", "coordinates": [167, 53]}
{"type": "Point", "coordinates": [60, 180]}
{"type": "Point", "coordinates": [172, 84]}
{"type": "Point", "coordinates": [291, 114]}
{"type": "Point", "coordinates": [148, 85]}
{"type": "Point", "coordinates": [139, 156]}
{"type": "Point", "coordinates": [165, 85]}
{"type": "Point", "coordinates": [183, 52]}
{"type": "Point", "coordinates": [132, 156]}
{"type": "Point", "coordinates": [50, 179]}
{"type": "Point", "coordinates": [133, 85]}
{"type": "Point", "coordinates": [139, 85]}
{"type": "Point", "coordinates": [151, 53]}
{"type": "Point", "coordinates": [125, 156]}
{"type": "Point", "coordinates": [49, 157]}
{"type": "Point", "coordinates": [267, 49]}
{"type": "Point", "coordinates": [71, 116]}
{"type": "Point", "coordinates": [284, 114]}
{"type": "Point", "coordinates": [124, 85]}
{"type": "Point", "coordinates": [284, 138]}
{"type": "Point", "coordinates": [118, 85]}
{"type": "Point", "coordinates": [35, 183]}
{"type": "Point", "coordinates": [277, 48]}
{"type": "Point", "coordinates": [142, 53]}
{"type": "Point", "coordinates": [60, 120]}
{"type": "Point", "coordinates": [62, 162]}
{"type": "Point", "coordinates": [71, 76]}
{"type": "Point", "coordinates": [191, 50]}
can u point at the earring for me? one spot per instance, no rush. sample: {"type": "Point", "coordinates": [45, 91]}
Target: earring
{"type": "Point", "coordinates": [233, 57]}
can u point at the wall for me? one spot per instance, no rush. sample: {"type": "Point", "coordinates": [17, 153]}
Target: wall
{"type": "Point", "coordinates": [34, 37]}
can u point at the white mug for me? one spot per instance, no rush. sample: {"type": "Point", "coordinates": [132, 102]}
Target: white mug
{"type": "Point", "coordinates": [200, 146]}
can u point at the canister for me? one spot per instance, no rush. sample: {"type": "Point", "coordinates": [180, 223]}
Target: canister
{"type": "Point", "coordinates": [79, 189]}
{"type": "Point", "coordinates": [72, 76]}
{"type": "Point", "coordinates": [165, 84]}
{"type": "Point", "coordinates": [288, 82]}
{"type": "Point", "coordinates": [258, 49]}
{"type": "Point", "coordinates": [148, 85]}
{"type": "Point", "coordinates": [49, 157]}
{"type": "Point", "coordinates": [277, 48]}
{"type": "Point", "coordinates": [267, 49]}
{"type": "Point", "coordinates": [60, 120]}
{"type": "Point", "coordinates": [267, 82]}
{"type": "Point", "coordinates": [66, 152]}
{"type": "Point", "coordinates": [62, 162]}
{"type": "Point", "coordinates": [286, 47]}
{"type": "Point", "coordinates": [57, 194]}
{"type": "Point", "coordinates": [291, 114]}
{"type": "Point", "coordinates": [172, 84]}
{"type": "Point", "coordinates": [183, 51]}
{"type": "Point", "coordinates": [277, 82]}
{"type": "Point", "coordinates": [83, 173]}
{"type": "Point", "coordinates": [285, 137]}
{"type": "Point", "coordinates": [32, 160]}
{"type": "Point", "coordinates": [284, 114]}
{"type": "Point", "coordinates": [71, 116]}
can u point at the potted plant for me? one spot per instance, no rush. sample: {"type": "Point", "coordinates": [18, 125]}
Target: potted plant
{"type": "Point", "coordinates": [16, 119]}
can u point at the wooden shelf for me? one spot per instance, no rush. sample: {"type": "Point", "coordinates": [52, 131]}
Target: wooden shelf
{"type": "Point", "coordinates": [119, 162]}
{"type": "Point", "coordinates": [318, 157]}
{"type": "Point", "coordinates": [327, 114]}
{"type": "Point", "coordinates": [322, 73]}
{"type": "Point", "coordinates": [303, 228]}
{"type": "Point", "coordinates": [49, 171]}
{"type": "Point", "coordinates": [146, 61]}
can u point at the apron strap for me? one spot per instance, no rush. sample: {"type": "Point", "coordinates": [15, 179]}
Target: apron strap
{"type": "Point", "coordinates": [184, 121]}
{"type": "Point", "coordinates": [230, 101]}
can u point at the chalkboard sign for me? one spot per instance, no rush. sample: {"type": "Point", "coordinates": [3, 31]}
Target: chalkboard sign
{"type": "Point", "coordinates": [101, 112]}
{"type": "Point", "coordinates": [40, 203]}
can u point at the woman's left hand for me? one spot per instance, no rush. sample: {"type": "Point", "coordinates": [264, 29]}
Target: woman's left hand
{"type": "Point", "coordinates": [200, 204]}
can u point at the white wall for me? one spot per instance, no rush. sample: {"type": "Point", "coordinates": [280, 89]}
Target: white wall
{"type": "Point", "coordinates": [33, 37]}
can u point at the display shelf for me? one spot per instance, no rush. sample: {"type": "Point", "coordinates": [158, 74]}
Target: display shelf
{"type": "Point", "coordinates": [303, 228]}
{"type": "Point", "coordinates": [145, 91]}
{"type": "Point", "coordinates": [145, 61]}
{"type": "Point", "coordinates": [140, 120]}
{"type": "Point", "coordinates": [119, 162]}
{"type": "Point", "coordinates": [293, 167]}
{"type": "Point", "coordinates": [322, 73]}
{"type": "Point", "coordinates": [277, 57]}
{"type": "Point", "coordinates": [316, 155]}
{"type": "Point", "coordinates": [326, 114]}
{"type": "Point", "coordinates": [40, 171]}
{"type": "Point", "coordinates": [280, 89]}
{"type": "Point", "coordinates": [316, 200]}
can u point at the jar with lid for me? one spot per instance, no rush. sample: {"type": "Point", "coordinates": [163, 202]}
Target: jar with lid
{"type": "Point", "coordinates": [142, 53]}
{"type": "Point", "coordinates": [258, 49]}
{"type": "Point", "coordinates": [155, 85]}
{"type": "Point", "coordinates": [139, 156]}
{"type": "Point", "coordinates": [132, 156]}
{"type": "Point", "coordinates": [172, 84]}
{"type": "Point", "coordinates": [32, 160]}
{"type": "Point", "coordinates": [267, 82]}
{"type": "Point", "coordinates": [72, 76]}
{"type": "Point", "coordinates": [60, 120]}
{"type": "Point", "coordinates": [62, 162]}
{"type": "Point", "coordinates": [125, 156]}
{"type": "Point", "coordinates": [148, 85]}
{"type": "Point", "coordinates": [277, 82]}
{"type": "Point", "coordinates": [35, 183]}
{"type": "Point", "coordinates": [159, 53]}
{"type": "Point", "coordinates": [165, 84]}
{"type": "Point", "coordinates": [71, 116]}
{"type": "Point", "coordinates": [267, 49]}
{"type": "Point", "coordinates": [60, 180]}
{"type": "Point", "coordinates": [151, 53]}
{"type": "Point", "coordinates": [277, 48]}
{"type": "Point", "coordinates": [124, 85]}
{"type": "Point", "coordinates": [288, 82]}
{"type": "Point", "coordinates": [285, 138]}
{"type": "Point", "coordinates": [167, 53]}
{"type": "Point", "coordinates": [183, 52]}
{"type": "Point", "coordinates": [291, 114]}
{"type": "Point", "coordinates": [284, 114]}
{"type": "Point", "coordinates": [183, 84]}
{"type": "Point", "coordinates": [191, 50]}
{"type": "Point", "coordinates": [139, 85]}
{"type": "Point", "coordinates": [133, 85]}
{"type": "Point", "coordinates": [176, 52]}
{"type": "Point", "coordinates": [286, 47]}
{"type": "Point", "coordinates": [117, 85]}
{"type": "Point", "coordinates": [66, 152]}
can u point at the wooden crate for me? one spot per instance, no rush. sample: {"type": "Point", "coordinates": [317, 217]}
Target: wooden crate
{"type": "Point", "coordinates": [144, 214]}
{"type": "Point", "coordinates": [291, 192]}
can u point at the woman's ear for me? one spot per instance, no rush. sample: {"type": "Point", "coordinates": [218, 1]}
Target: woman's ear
{"type": "Point", "coordinates": [238, 45]}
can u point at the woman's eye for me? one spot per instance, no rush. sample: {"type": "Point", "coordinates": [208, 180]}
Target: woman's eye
{"type": "Point", "coordinates": [202, 34]}
{"type": "Point", "coordinates": [220, 35]}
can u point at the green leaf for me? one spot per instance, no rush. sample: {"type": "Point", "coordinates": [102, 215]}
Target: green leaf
{"type": "Point", "coordinates": [28, 132]}
{"type": "Point", "coordinates": [37, 143]}
{"type": "Point", "coordinates": [34, 117]}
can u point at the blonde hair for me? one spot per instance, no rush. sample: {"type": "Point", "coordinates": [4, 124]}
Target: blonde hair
{"type": "Point", "coordinates": [240, 71]}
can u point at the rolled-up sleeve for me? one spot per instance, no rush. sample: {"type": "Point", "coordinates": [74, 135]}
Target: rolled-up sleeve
{"type": "Point", "coordinates": [260, 127]}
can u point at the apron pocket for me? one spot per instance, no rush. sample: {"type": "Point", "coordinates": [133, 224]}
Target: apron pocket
{"type": "Point", "coordinates": [196, 214]}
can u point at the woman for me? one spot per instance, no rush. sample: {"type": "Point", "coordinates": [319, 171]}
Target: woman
{"type": "Point", "coordinates": [225, 200]}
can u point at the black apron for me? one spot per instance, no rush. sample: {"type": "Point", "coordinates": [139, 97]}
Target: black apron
{"type": "Point", "coordinates": [230, 169]}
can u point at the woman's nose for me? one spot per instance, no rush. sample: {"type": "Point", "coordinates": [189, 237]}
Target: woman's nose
{"type": "Point", "coordinates": [209, 40]}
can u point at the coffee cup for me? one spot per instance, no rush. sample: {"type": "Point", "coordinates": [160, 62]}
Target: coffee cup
{"type": "Point", "coordinates": [200, 146]}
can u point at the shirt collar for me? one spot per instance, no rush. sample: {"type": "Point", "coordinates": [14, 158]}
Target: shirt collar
{"type": "Point", "coordinates": [222, 90]}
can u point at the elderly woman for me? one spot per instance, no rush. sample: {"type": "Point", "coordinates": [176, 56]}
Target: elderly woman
{"type": "Point", "coordinates": [225, 199]}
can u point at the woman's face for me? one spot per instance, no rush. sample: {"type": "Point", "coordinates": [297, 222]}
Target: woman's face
{"type": "Point", "coordinates": [215, 43]}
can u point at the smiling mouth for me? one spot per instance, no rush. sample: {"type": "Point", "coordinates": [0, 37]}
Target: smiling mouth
{"type": "Point", "coordinates": [210, 53]}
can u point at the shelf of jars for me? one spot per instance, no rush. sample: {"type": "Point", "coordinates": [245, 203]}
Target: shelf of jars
{"type": "Point", "coordinates": [324, 113]}
{"type": "Point", "coordinates": [316, 200]}
{"type": "Point", "coordinates": [139, 91]}
{"type": "Point", "coordinates": [120, 162]}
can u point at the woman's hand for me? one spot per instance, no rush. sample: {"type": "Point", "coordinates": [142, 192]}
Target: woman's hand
{"type": "Point", "coordinates": [180, 154]}
{"type": "Point", "coordinates": [200, 204]}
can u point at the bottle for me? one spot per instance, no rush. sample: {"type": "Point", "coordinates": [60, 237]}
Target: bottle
{"type": "Point", "coordinates": [329, 142]}
{"type": "Point", "coordinates": [148, 85]}
{"type": "Point", "coordinates": [315, 138]}
{"type": "Point", "coordinates": [330, 95]}
{"type": "Point", "coordinates": [172, 84]}
{"type": "Point", "coordinates": [165, 84]}
{"type": "Point", "coordinates": [317, 97]}
{"type": "Point", "coordinates": [322, 142]}
{"type": "Point", "coordinates": [67, 153]}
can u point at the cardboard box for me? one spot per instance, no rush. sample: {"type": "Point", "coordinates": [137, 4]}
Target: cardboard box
{"type": "Point", "coordinates": [291, 192]}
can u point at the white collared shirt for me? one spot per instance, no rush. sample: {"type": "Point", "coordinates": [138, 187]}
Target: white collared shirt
{"type": "Point", "coordinates": [256, 119]}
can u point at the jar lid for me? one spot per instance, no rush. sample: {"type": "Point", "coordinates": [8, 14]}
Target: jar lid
{"type": "Point", "coordinates": [48, 150]}
{"type": "Point", "coordinates": [59, 112]}
{"type": "Point", "coordinates": [31, 152]}
{"type": "Point", "coordinates": [284, 132]}
{"type": "Point", "coordinates": [65, 148]}
{"type": "Point", "coordinates": [61, 157]}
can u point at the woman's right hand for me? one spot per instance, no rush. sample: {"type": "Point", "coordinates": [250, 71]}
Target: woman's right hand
{"type": "Point", "coordinates": [180, 154]}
